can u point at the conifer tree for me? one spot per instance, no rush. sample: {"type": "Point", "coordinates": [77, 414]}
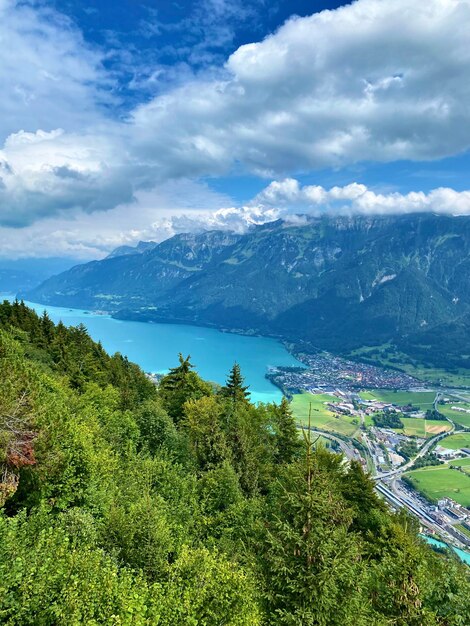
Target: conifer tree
{"type": "Point", "coordinates": [177, 375]}
{"type": "Point", "coordinates": [234, 387]}
{"type": "Point", "coordinates": [180, 385]}
{"type": "Point", "coordinates": [287, 436]}
{"type": "Point", "coordinates": [312, 565]}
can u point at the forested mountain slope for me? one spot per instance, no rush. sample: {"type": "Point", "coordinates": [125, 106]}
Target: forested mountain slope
{"type": "Point", "coordinates": [126, 504]}
{"type": "Point", "coordinates": [335, 282]}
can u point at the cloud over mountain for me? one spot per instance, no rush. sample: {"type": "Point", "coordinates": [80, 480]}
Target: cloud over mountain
{"type": "Point", "coordinates": [370, 81]}
{"type": "Point", "coordinates": [289, 195]}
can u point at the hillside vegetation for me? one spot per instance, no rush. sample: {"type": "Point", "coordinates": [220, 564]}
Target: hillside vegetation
{"type": "Point", "coordinates": [187, 505]}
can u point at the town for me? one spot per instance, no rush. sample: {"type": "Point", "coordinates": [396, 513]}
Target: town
{"type": "Point", "coordinates": [326, 372]}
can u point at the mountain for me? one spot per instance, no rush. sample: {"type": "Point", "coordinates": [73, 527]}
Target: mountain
{"type": "Point", "coordinates": [23, 274]}
{"type": "Point", "coordinates": [337, 283]}
{"type": "Point", "coordinates": [142, 246]}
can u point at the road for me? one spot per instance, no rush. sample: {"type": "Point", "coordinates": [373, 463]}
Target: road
{"type": "Point", "coordinates": [388, 484]}
{"type": "Point", "coordinates": [422, 451]}
{"type": "Point", "coordinates": [348, 449]}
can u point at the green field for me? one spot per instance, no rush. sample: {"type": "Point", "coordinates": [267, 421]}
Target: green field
{"type": "Point", "coordinates": [463, 530]}
{"type": "Point", "coordinates": [455, 442]}
{"type": "Point", "coordinates": [442, 482]}
{"type": "Point", "coordinates": [322, 417]}
{"type": "Point", "coordinates": [460, 378]}
{"type": "Point", "coordinates": [456, 416]}
{"type": "Point", "coordinates": [422, 399]}
{"type": "Point", "coordinates": [419, 427]}
{"type": "Point", "coordinates": [368, 421]}
{"type": "Point", "coordinates": [367, 395]}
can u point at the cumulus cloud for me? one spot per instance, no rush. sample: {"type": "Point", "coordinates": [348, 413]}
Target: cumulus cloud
{"type": "Point", "coordinates": [288, 196]}
{"type": "Point", "coordinates": [45, 173]}
{"type": "Point", "coordinates": [372, 80]}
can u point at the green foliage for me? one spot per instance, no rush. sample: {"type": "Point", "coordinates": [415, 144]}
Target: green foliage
{"type": "Point", "coordinates": [287, 436]}
{"type": "Point", "coordinates": [203, 425]}
{"type": "Point", "coordinates": [180, 385]}
{"type": "Point", "coordinates": [430, 458]}
{"type": "Point", "coordinates": [49, 576]}
{"type": "Point", "coordinates": [234, 387]}
{"type": "Point", "coordinates": [408, 449]}
{"type": "Point", "coordinates": [387, 419]}
{"type": "Point", "coordinates": [434, 414]}
{"type": "Point", "coordinates": [206, 588]}
{"type": "Point", "coordinates": [124, 504]}
{"type": "Point", "coordinates": [311, 562]}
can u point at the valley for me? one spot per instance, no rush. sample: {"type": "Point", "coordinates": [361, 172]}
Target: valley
{"type": "Point", "coordinates": [421, 466]}
{"type": "Point", "coordinates": [388, 290]}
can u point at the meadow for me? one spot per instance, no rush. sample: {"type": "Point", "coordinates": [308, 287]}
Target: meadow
{"type": "Point", "coordinates": [457, 441]}
{"type": "Point", "coordinates": [422, 399]}
{"type": "Point", "coordinates": [441, 481]}
{"type": "Point", "coordinates": [321, 416]}
{"type": "Point", "coordinates": [456, 416]}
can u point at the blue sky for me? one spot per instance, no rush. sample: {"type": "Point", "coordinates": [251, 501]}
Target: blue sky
{"type": "Point", "coordinates": [131, 119]}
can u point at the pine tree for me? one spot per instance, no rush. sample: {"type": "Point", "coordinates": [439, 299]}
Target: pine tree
{"type": "Point", "coordinates": [177, 375]}
{"type": "Point", "coordinates": [180, 385]}
{"type": "Point", "coordinates": [47, 328]}
{"type": "Point", "coordinates": [287, 435]}
{"type": "Point", "coordinates": [313, 567]}
{"type": "Point", "coordinates": [234, 387]}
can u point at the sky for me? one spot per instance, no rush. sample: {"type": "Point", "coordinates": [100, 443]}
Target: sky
{"type": "Point", "coordinates": [130, 120]}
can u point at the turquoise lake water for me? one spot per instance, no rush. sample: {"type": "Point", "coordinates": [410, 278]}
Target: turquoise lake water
{"type": "Point", "coordinates": [465, 556]}
{"type": "Point", "coordinates": [155, 348]}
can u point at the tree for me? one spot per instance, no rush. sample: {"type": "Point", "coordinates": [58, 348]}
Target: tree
{"type": "Point", "coordinates": [157, 429]}
{"type": "Point", "coordinates": [180, 385]}
{"type": "Point", "coordinates": [287, 436]}
{"type": "Point", "coordinates": [312, 564]}
{"type": "Point", "coordinates": [203, 425]}
{"type": "Point", "coordinates": [234, 387]}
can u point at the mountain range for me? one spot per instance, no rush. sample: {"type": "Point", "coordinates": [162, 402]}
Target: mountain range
{"type": "Point", "coordinates": [336, 283]}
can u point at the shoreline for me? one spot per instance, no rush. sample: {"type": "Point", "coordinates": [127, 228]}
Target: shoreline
{"type": "Point", "coordinates": [299, 349]}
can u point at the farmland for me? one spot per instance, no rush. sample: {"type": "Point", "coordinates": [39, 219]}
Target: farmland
{"type": "Point", "coordinates": [441, 481]}
{"type": "Point", "coordinates": [457, 441]}
{"type": "Point", "coordinates": [321, 416]}
{"type": "Point", "coordinates": [420, 427]}
{"type": "Point", "coordinates": [422, 399]}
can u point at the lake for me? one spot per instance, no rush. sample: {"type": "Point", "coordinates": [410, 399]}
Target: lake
{"type": "Point", "coordinates": [155, 347]}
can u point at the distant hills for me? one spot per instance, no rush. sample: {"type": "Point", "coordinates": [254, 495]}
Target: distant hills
{"type": "Point", "coordinates": [27, 273]}
{"type": "Point", "coordinates": [335, 283]}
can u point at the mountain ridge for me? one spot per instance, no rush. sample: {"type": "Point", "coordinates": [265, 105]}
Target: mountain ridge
{"type": "Point", "coordinates": [332, 282]}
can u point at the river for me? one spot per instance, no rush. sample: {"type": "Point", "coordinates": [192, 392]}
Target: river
{"type": "Point", "coordinates": [463, 554]}
{"type": "Point", "coordinates": [155, 347]}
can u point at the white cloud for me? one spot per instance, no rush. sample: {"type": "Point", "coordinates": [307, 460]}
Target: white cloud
{"type": "Point", "coordinates": [373, 80]}
{"type": "Point", "coordinates": [154, 215]}
{"type": "Point", "coordinates": [288, 196]}
{"type": "Point", "coordinates": [47, 173]}
{"type": "Point", "coordinates": [50, 77]}
{"type": "Point", "coordinates": [186, 206]}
